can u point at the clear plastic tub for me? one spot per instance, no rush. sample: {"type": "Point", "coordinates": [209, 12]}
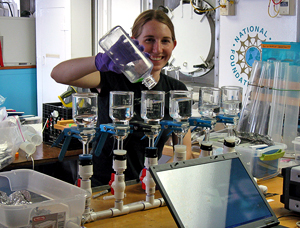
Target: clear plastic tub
{"type": "Point", "coordinates": [265, 162]}
{"type": "Point", "coordinates": [262, 161]}
{"type": "Point", "coordinates": [52, 199]}
{"type": "Point", "coordinates": [296, 143]}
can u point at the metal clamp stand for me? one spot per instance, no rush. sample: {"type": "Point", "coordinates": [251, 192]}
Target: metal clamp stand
{"type": "Point", "coordinates": [180, 129]}
{"type": "Point", "coordinates": [207, 124]}
{"type": "Point", "coordinates": [206, 146]}
{"type": "Point", "coordinates": [152, 132]}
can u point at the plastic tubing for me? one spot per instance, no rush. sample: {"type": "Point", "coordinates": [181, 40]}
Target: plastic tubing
{"type": "Point", "coordinates": [112, 212]}
{"type": "Point", "coordinates": [290, 128]}
{"type": "Point", "coordinates": [256, 109]}
{"type": "Point", "coordinates": [278, 101]}
{"type": "Point", "coordinates": [248, 102]}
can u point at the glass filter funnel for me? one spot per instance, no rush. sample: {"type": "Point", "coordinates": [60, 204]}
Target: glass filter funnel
{"type": "Point", "coordinates": [152, 106]}
{"type": "Point", "coordinates": [180, 105]}
{"type": "Point", "coordinates": [152, 111]}
{"type": "Point", "coordinates": [180, 109]}
{"type": "Point", "coordinates": [209, 105]}
{"type": "Point", "coordinates": [121, 112]}
{"type": "Point", "coordinates": [231, 102]}
{"type": "Point", "coordinates": [85, 113]}
{"type": "Point", "coordinates": [126, 55]}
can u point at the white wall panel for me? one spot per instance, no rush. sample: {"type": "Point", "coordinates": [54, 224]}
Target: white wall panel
{"type": "Point", "coordinates": [240, 37]}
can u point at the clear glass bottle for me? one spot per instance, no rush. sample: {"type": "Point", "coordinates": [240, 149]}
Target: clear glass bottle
{"type": "Point", "coordinates": [126, 55]}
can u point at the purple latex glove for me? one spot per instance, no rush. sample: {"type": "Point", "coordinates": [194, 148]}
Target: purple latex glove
{"type": "Point", "coordinates": [122, 52]}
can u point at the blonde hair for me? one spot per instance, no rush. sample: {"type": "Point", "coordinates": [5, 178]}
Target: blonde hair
{"type": "Point", "coordinates": [149, 15]}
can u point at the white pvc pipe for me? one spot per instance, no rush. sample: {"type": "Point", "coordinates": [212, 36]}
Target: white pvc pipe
{"type": "Point", "coordinates": [118, 184]}
{"type": "Point", "coordinates": [149, 181]}
{"type": "Point", "coordinates": [112, 212]}
{"type": "Point", "coordinates": [85, 172]}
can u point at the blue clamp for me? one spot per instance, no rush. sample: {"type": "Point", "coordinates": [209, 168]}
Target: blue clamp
{"type": "Point", "coordinates": [171, 125]}
{"type": "Point", "coordinates": [105, 129]}
{"type": "Point", "coordinates": [225, 119]}
{"type": "Point", "coordinates": [101, 134]}
{"type": "Point", "coordinates": [144, 127]}
{"type": "Point", "coordinates": [67, 133]}
{"type": "Point", "coordinates": [199, 122]}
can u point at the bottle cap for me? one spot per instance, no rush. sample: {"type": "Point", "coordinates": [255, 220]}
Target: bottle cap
{"type": "Point", "coordinates": [206, 146]}
{"type": "Point", "coordinates": [180, 148]}
{"type": "Point", "coordinates": [85, 159]}
{"type": "Point", "coordinates": [229, 142]}
{"type": "Point", "coordinates": [151, 152]}
{"type": "Point", "coordinates": [149, 82]}
{"type": "Point", "coordinates": [119, 155]}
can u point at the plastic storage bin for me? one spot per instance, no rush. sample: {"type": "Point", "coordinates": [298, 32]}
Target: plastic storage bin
{"type": "Point", "coordinates": [262, 161]}
{"type": "Point", "coordinates": [296, 143]}
{"type": "Point", "coordinates": [52, 200]}
{"type": "Point", "coordinates": [265, 162]}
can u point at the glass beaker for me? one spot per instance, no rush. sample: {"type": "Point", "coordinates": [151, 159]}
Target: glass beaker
{"type": "Point", "coordinates": [231, 100]}
{"type": "Point", "coordinates": [121, 107]}
{"type": "Point", "coordinates": [209, 102]}
{"type": "Point", "coordinates": [231, 103]}
{"type": "Point", "coordinates": [85, 109]}
{"type": "Point", "coordinates": [126, 55]}
{"type": "Point", "coordinates": [209, 106]}
{"type": "Point", "coordinates": [180, 105]}
{"type": "Point", "coordinates": [85, 114]}
{"type": "Point", "coordinates": [152, 106]}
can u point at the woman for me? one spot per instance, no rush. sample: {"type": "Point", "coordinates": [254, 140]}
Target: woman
{"type": "Point", "coordinates": [155, 32]}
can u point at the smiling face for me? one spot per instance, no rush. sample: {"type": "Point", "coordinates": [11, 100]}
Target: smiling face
{"type": "Point", "coordinates": [156, 37]}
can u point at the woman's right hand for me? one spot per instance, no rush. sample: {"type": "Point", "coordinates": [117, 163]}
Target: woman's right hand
{"type": "Point", "coordinates": [122, 52]}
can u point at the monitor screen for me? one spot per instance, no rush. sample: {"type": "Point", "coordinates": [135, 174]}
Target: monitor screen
{"type": "Point", "coordinates": [215, 194]}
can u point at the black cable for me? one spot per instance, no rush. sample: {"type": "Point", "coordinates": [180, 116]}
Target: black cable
{"type": "Point", "coordinates": [9, 8]}
{"type": "Point", "coordinates": [288, 215]}
{"type": "Point", "coordinates": [164, 9]}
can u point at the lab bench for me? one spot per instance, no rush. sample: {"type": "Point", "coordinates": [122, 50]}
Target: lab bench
{"type": "Point", "coordinates": [46, 161]}
{"type": "Point", "coordinates": [157, 217]}
{"type": "Point", "coordinates": [161, 216]}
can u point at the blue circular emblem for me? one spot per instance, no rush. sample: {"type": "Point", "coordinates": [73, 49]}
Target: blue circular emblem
{"type": "Point", "coordinates": [252, 54]}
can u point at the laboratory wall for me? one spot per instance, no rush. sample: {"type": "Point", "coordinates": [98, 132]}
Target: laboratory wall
{"type": "Point", "coordinates": [240, 37]}
{"type": "Point", "coordinates": [19, 88]}
{"type": "Point", "coordinates": [109, 14]}
{"type": "Point", "coordinates": [18, 40]}
{"type": "Point", "coordinates": [63, 31]}
{"type": "Point", "coordinates": [194, 33]}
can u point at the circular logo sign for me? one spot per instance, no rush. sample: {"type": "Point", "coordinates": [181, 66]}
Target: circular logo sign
{"type": "Point", "coordinates": [246, 48]}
